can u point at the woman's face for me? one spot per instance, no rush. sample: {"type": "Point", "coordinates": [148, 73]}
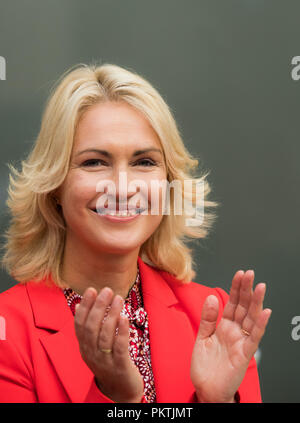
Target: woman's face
{"type": "Point", "coordinates": [110, 138]}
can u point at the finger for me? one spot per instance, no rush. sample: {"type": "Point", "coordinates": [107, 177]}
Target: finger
{"type": "Point", "coordinates": [209, 317]}
{"type": "Point", "coordinates": [121, 342]}
{"type": "Point", "coordinates": [93, 322]}
{"type": "Point", "coordinates": [108, 327]}
{"type": "Point", "coordinates": [255, 307]}
{"type": "Point", "coordinates": [245, 296]}
{"type": "Point", "coordinates": [258, 330]}
{"type": "Point", "coordinates": [233, 300]}
{"type": "Point", "coordinates": [83, 309]}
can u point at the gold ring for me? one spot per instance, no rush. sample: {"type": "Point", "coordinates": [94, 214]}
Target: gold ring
{"type": "Point", "coordinates": [107, 351]}
{"type": "Point", "coordinates": [245, 332]}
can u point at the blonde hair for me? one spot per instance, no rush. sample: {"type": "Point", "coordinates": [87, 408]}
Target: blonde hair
{"type": "Point", "coordinates": [35, 238]}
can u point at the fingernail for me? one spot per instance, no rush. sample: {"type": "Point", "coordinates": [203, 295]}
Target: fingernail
{"type": "Point", "coordinates": [88, 293]}
{"type": "Point", "coordinates": [117, 300]}
{"type": "Point", "coordinates": [104, 293]}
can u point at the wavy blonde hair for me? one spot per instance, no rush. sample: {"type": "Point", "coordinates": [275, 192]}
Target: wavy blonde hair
{"type": "Point", "coordinates": [35, 238]}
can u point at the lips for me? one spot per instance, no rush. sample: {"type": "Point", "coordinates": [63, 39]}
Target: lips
{"type": "Point", "coordinates": [116, 212]}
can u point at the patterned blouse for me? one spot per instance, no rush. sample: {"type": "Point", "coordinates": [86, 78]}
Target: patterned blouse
{"type": "Point", "coordinates": [139, 344]}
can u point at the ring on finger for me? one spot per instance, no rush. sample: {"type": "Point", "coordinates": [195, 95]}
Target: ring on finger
{"type": "Point", "coordinates": [245, 332]}
{"type": "Point", "coordinates": [106, 350]}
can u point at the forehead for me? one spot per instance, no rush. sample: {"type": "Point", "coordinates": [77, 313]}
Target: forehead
{"type": "Point", "coordinates": [114, 123]}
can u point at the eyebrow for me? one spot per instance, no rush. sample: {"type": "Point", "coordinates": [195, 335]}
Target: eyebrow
{"type": "Point", "coordinates": [109, 155]}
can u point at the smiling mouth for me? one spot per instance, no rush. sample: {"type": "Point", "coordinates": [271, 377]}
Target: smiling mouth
{"type": "Point", "coordinates": [116, 213]}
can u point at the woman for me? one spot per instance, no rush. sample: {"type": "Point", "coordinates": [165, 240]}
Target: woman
{"type": "Point", "coordinates": [105, 310]}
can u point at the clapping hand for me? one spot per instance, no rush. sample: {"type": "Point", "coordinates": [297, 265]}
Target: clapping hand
{"type": "Point", "coordinates": [222, 354]}
{"type": "Point", "coordinates": [105, 352]}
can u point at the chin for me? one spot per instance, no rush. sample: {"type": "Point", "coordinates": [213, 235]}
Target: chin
{"type": "Point", "coordinates": [116, 249]}
{"type": "Point", "coordinates": [122, 244]}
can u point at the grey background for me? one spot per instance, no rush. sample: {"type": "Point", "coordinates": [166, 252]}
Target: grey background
{"type": "Point", "coordinates": [224, 67]}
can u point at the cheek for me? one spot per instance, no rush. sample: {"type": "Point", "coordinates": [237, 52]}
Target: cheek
{"type": "Point", "coordinates": [151, 225]}
{"type": "Point", "coordinates": [157, 196]}
{"type": "Point", "coordinates": [156, 185]}
{"type": "Point", "coordinates": [77, 191]}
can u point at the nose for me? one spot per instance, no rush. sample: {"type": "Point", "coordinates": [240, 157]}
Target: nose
{"type": "Point", "coordinates": [119, 192]}
{"type": "Point", "coordinates": [124, 191]}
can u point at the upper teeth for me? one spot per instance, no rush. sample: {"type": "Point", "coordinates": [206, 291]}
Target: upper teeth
{"type": "Point", "coordinates": [117, 213]}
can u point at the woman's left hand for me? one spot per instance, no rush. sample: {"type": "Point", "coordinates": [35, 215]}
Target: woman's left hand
{"type": "Point", "coordinates": [222, 354]}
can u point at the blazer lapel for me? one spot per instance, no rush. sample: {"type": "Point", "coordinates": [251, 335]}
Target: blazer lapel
{"type": "Point", "coordinates": [51, 311]}
{"type": "Point", "coordinates": [171, 338]}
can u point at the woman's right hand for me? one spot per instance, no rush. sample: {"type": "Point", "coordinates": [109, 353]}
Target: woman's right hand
{"type": "Point", "coordinates": [116, 375]}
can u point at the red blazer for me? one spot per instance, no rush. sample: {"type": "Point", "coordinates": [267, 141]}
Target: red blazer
{"type": "Point", "coordinates": [40, 359]}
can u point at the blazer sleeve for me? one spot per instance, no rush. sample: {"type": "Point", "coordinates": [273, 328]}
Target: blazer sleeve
{"type": "Point", "coordinates": [249, 390]}
{"type": "Point", "coordinates": [16, 382]}
{"type": "Point", "coordinates": [95, 395]}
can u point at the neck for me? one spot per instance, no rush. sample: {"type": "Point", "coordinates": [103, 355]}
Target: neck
{"type": "Point", "coordinates": [83, 268]}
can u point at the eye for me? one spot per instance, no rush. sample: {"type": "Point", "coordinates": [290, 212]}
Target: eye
{"type": "Point", "coordinates": [92, 162]}
{"type": "Point", "coordinates": [146, 162]}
